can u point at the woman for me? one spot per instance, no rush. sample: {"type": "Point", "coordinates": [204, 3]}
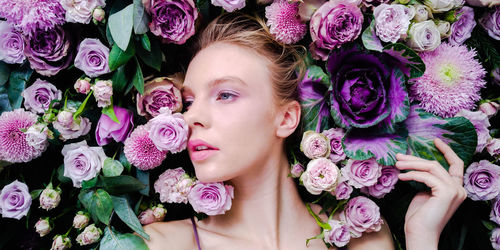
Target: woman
{"type": "Point", "coordinates": [241, 93]}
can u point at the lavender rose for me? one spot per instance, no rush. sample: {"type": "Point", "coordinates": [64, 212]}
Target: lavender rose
{"type": "Point", "coordinates": [15, 200]}
{"type": "Point", "coordinates": [229, 5]}
{"type": "Point", "coordinates": [361, 215]}
{"type": "Point", "coordinates": [495, 212]}
{"type": "Point", "coordinates": [42, 227]}
{"type": "Point", "coordinates": [495, 238]}
{"type": "Point", "coordinates": [392, 21]}
{"type": "Point", "coordinates": [491, 22]}
{"type": "Point", "coordinates": [82, 162]}
{"type": "Point", "coordinates": [424, 36]}
{"type": "Point", "coordinates": [490, 109]}
{"type": "Point", "coordinates": [169, 132]}
{"type": "Point", "coordinates": [482, 180]}
{"type": "Point", "coordinates": [362, 173]}
{"type": "Point", "coordinates": [80, 11]}
{"type": "Point", "coordinates": [343, 190]}
{"type": "Point", "coordinates": [385, 182]}
{"type": "Point", "coordinates": [108, 130]}
{"type": "Point", "coordinates": [481, 124]}
{"type": "Point", "coordinates": [49, 51]}
{"type": "Point", "coordinates": [321, 175]}
{"type": "Point", "coordinates": [173, 20]}
{"type": "Point", "coordinates": [90, 234]}
{"type": "Point", "coordinates": [493, 147]}
{"type": "Point", "coordinates": [11, 44]}
{"type": "Point", "coordinates": [70, 128]}
{"type": "Point", "coordinates": [92, 57]}
{"type": "Point", "coordinates": [461, 29]}
{"type": "Point", "coordinates": [211, 198]}
{"type": "Point", "coordinates": [158, 93]}
{"type": "Point", "coordinates": [335, 136]}
{"type": "Point", "coordinates": [335, 23]}
{"type": "Point", "coordinates": [315, 145]}
{"type": "Point", "coordinates": [174, 186]}
{"type": "Point", "coordinates": [39, 95]}
{"type": "Point", "coordinates": [339, 234]}
{"type": "Point", "coordinates": [103, 90]}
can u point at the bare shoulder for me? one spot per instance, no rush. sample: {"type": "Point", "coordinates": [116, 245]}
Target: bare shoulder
{"type": "Point", "coordinates": [381, 240]}
{"type": "Point", "coordinates": [174, 234]}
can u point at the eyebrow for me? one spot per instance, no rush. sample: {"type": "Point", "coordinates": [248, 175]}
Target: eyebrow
{"type": "Point", "coordinates": [218, 81]}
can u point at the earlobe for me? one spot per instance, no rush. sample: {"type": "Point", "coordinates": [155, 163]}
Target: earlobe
{"type": "Point", "coordinates": [288, 119]}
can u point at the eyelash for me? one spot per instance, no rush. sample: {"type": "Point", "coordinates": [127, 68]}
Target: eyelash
{"type": "Point", "coordinates": [220, 97]}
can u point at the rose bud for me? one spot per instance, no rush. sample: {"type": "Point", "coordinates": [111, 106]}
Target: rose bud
{"type": "Point", "coordinates": [296, 170]}
{"type": "Point", "coordinates": [147, 217]}
{"type": "Point", "coordinates": [82, 86]}
{"type": "Point", "coordinates": [103, 90]}
{"type": "Point", "coordinates": [43, 227]}
{"type": "Point", "coordinates": [61, 242]}
{"type": "Point", "coordinates": [90, 234]}
{"type": "Point", "coordinates": [98, 14]}
{"type": "Point", "coordinates": [489, 108]}
{"type": "Point", "coordinates": [493, 147]}
{"type": "Point", "coordinates": [81, 220]}
{"type": "Point", "coordinates": [50, 197]}
{"type": "Point", "coordinates": [159, 212]}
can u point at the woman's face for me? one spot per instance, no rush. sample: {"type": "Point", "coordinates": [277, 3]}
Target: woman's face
{"type": "Point", "coordinates": [231, 112]}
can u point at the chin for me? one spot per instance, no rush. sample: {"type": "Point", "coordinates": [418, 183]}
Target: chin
{"type": "Point", "coordinates": [209, 174]}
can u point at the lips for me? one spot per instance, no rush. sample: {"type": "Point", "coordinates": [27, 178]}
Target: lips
{"type": "Point", "coordinates": [200, 150]}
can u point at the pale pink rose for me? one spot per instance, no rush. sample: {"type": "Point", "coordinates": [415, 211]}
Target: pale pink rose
{"type": "Point", "coordinates": [211, 198]}
{"type": "Point", "coordinates": [158, 93]}
{"type": "Point", "coordinates": [174, 186]}
{"type": "Point", "coordinates": [147, 217]}
{"type": "Point", "coordinates": [392, 21]}
{"type": "Point", "coordinates": [50, 198]}
{"type": "Point", "coordinates": [37, 135]}
{"type": "Point", "coordinates": [296, 170]}
{"type": "Point", "coordinates": [81, 220]}
{"type": "Point", "coordinates": [80, 11]}
{"type": "Point", "coordinates": [61, 243]}
{"type": "Point", "coordinates": [361, 215]}
{"type": "Point", "coordinates": [70, 128]}
{"type": "Point", "coordinates": [169, 132]}
{"type": "Point", "coordinates": [315, 145]}
{"type": "Point", "coordinates": [42, 227]}
{"type": "Point", "coordinates": [103, 90]}
{"type": "Point", "coordinates": [90, 234]}
{"type": "Point", "coordinates": [159, 212]}
{"type": "Point", "coordinates": [493, 147]}
{"type": "Point", "coordinates": [362, 173]}
{"type": "Point", "coordinates": [335, 136]}
{"type": "Point", "coordinates": [339, 234]}
{"type": "Point", "coordinates": [229, 5]}
{"type": "Point", "coordinates": [82, 86]}
{"type": "Point", "coordinates": [321, 175]}
{"type": "Point", "coordinates": [98, 14]}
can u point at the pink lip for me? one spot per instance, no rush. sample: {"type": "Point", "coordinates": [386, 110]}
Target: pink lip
{"type": "Point", "coordinates": [203, 154]}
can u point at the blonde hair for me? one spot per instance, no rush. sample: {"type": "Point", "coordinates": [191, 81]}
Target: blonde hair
{"type": "Point", "coordinates": [287, 65]}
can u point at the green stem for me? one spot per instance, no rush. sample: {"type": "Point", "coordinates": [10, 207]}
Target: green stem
{"type": "Point", "coordinates": [340, 204]}
{"type": "Point", "coordinates": [69, 230]}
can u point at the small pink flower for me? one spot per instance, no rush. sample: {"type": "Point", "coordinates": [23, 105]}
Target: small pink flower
{"type": "Point", "coordinates": [343, 191]}
{"type": "Point", "coordinates": [147, 217]}
{"type": "Point", "coordinates": [321, 175]}
{"type": "Point", "coordinates": [61, 243]}
{"type": "Point", "coordinates": [385, 183]}
{"type": "Point", "coordinates": [315, 145]}
{"type": "Point", "coordinates": [43, 227]}
{"type": "Point", "coordinates": [103, 90]}
{"type": "Point", "coordinates": [90, 234]}
{"type": "Point", "coordinates": [50, 198]}
{"type": "Point", "coordinates": [297, 170]}
{"type": "Point", "coordinates": [82, 86]}
{"type": "Point", "coordinates": [489, 108]}
{"type": "Point", "coordinates": [339, 234]}
{"type": "Point", "coordinates": [140, 150]}
{"type": "Point", "coordinates": [493, 147]}
{"type": "Point", "coordinates": [284, 22]}
{"type": "Point", "coordinates": [211, 198]}
{"type": "Point", "coordinates": [174, 186]}
{"type": "Point", "coordinates": [159, 212]}
{"type": "Point", "coordinates": [81, 220]}
{"type": "Point", "coordinates": [335, 136]}
{"type": "Point", "coordinates": [13, 145]}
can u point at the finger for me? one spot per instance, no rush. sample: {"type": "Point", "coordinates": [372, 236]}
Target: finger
{"type": "Point", "coordinates": [403, 157]}
{"type": "Point", "coordinates": [431, 167]}
{"type": "Point", "coordinates": [428, 179]}
{"type": "Point", "coordinates": [456, 164]}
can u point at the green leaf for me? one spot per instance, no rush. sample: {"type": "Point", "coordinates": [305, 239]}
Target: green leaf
{"type": "Point", "coordinates": [88, 184]}
{"type": "Point", "coordinates": [117, 241]}
{"type": "Point", "coordinates": [154, 58]}
{"type": "Point", "coordinates": [146, 44]}
{"type": "Point", "coordinates": [111, 42]}
{"type": "Point", "coordinates": [143, 177]}
{"type": "Point", "coordinates": [98, 203]}
{"type": "Point", "coordinates": [35, 193]}
{"type": "Point", "coordinates": [110, 112]}
{"type": "Point", "coordinates": [4, 100]}
{"type": "Point", "coordinates": [370, 39]}
{"type": "Point", "coordinates": [17, 83]}
{"type": "Point", "coordinates": [141, 19]}
{"type": "Point", "coordinates": [127, 215]}
{"type": "Point", "coordinates": [118, 57]}
{"type": "Point", "coordinates": [413, 66]}
{"type": "Point", "coordinates": [123, 160]}
{"type": "Point", "coordinates": [138, 79]}
{"type": "Point", "coordinates": [314, 99]}
{"type": "Point", "coordinates": [489, 225]}
{"type": "Point", "coordinates": [82, 106]}
{"type": "Point", "coordinates": [111, 167]}
{"type": "Point", "coordinates": [119, 79]}
{"type": "Point", "coordinates": [60, 175]}
{"type": "Point", "coordinates": [120, 26]}
{"type": "Point", "coordinates": [4, 73]}
{"type": "Point", "coordinates": [122, 184]}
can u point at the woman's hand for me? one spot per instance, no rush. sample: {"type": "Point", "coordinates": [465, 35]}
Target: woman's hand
{"type": "Point", "coordinates": [429, 212]}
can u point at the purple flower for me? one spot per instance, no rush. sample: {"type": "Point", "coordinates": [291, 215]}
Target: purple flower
{"type": "Point", "coordinates": [81, 162]}
{"type": "Point", "coordinates": [108, 130]}
{"type": "Point", "coordinates": [491, 22]}
{"type": "Point", "coordinates": [80, 11]}
{"type": "Point", "coordinates": [321, 175]}
{"type": "Point", "coordinates": [39, 95]}
{"type": "Point", "coordinates": [158, 93]}
{"type": "Point", "coordinates": [392, 21]}
{"type": "Point", "coordinates": [11, 44]}
{"type": "Point", "coordinates": [141, 151]}
{"type": "Point", "coordinates": [361, 215]}
{"type": "Point", "coordinates": [92, 57]}
{"type": "Point", "coordinates": [173, 20]}
{"type": "Point", "coordinates": [284, 22]}
{"type": "Point", "coordinates": [49, 51]}
{"type": "Point", "coordinates": [146, 217]}
{"type": "Point", "coordinates": [385, 182]}
{"type": "Point", "coordinates": [482, 180]}
{"type": "Point", "coordinates": [493, 147]}
{"type": "Point", "coordinates": [343, 190]}
{"type": "Point", "coordinates": [169, 132]}
{"type": "Point", "coordinates": [174, 186]}
{"type": "Point", "coordinates": [69, 127]}
{"type": "Point", "coordinates": [335, 23]}
{"type": "Point", "coordinates": [366, 88]}
{"type": "Point", "coordinates": [296, 170]}
{"type": "Point", "coordinates": [15, 200]}
{"type": "Point", "coordinates": [495, 238]}
{"type": "Point", "coordinates": [14, 145]}
{"type": "Point", "coordinates": [335, 136]}
{"type": "Point", "coordinates": [339, 234]}
{"type": "Point", "coordinates": [461, 29]}
{"type": "Point", "coordinates": [314, 145]}
{"type": "Point", "coordinates": [495, 212]}
{"type": "Point", "coordinates": [362, 173]}
{"type": "Point", "coordinates": [229, 5]}
{"type": "Point", "coordinates": [211, 198]}
{"type": "Point", "coordinates": [481, 124]}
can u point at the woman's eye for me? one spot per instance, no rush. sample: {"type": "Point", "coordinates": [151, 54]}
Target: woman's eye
{"type": "Point", "coordinates": [186, 104]}
{"type": "Point", "coordinates": [224, 96]}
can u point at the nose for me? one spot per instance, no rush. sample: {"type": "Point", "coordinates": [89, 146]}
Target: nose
{"type": "Point", "coordinates": [196, 116]}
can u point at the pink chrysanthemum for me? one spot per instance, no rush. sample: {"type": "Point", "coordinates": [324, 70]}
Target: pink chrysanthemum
{"type": "Point", "coordinates": [28, 15]}
{"type": "Point", "coordinates": [284, 22]}
{"type": "Point", "coordinates": [451, 82]}
{"type": "Point", "coordinates": [141, 151]}
{"type": "Point", "coordinates": [13, 145]}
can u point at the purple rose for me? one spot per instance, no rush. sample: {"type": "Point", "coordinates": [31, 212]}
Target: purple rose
{"type": "Point", "coordinates": [339, 234]}
{"type": "Point", "coordinates": [385, 182]}
{"type": "Point", "coordinates": [174, 186]}
{"type": "Point", "coordinates": [481, 124]}
{"type": "Point", "coordinates": [482, 180]}
{"type": "Point", "coordinates": [495, 212]}
{"type": "Point", "coordinates": [229, 5]}
{"type": "Point", "coordinates": [314, 145]}
{"type": "Point", "coordinates": [362, 173]}
{"type": "Point", "coordinates": [491, 22]}
{"type": "Point", "coordinates": [321, 175]}
{"type": "Point", "coordinates": [367, 88]}
{"type": "Point", "coordinates": [81, 162]}
{"type": "Point", "coordinates": [15, 200]}
{"type": "Point", "coordinates": [361, 215]}
{"type": "Point", "coordinates": [335, 23]}
{"type": "Point", "coordinates": [495, 238]}
{"type": "Point", "coordinates": [11, 44]}
{"type": "Point", "coordinates": [169, 132]}
{"type": "Point", "coordinates": [108, 130]}
{"type": "Point", "coordinates": [80, 11]}
{"type": "Point", "coordinates": [211, 198]}
{"type": "Point", "coordinates": [92, 57]}
{"type": "Point", "coordinates": [493, 147]}
{"type": "Point", "coordinates": [343, 190]}
{"type": "Point", "coordinates": [392, 21]}
{"type": "Point", "coordinates": [296, 170]}
{"type": "Point", "coordinates": [39, 95]}
{"type": "Point", "coordinates": [158, 93]}
{"type": "Point", "coordinates": [49, 51]}
{"type": "Point", "coordinates": [173, 20]}
{"type": "Point", "coordinates": [461, 29]}
{"type": "Point", "coordinates": [335, 136]}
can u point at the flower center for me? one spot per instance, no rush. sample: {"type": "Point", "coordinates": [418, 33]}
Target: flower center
{"type": "Point", "coordinates": [449, 75]}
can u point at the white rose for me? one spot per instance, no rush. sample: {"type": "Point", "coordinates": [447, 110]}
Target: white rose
{"type": "Point", "coordinates": [422, 13]}
{"type": "Point", "coordinates": [321, 175]}
{"type": "Point", "coordinates": [439, 6]}
{"type": "Point", "coordinates": [424, 36]}
{"type": "Point", "coordinates": [61, 242]}
{"type": "Point", "coordinates": [80, 11]}
{"type": "Point", "coordinates": [42, 227]}
{"type": "Point", "coordinates": [444, 28]}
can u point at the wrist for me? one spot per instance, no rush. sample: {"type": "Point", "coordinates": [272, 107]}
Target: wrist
{"type": "Point", "coordinates": [422, 241]}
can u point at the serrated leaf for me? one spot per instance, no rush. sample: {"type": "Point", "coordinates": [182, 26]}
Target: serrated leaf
{"type": "Point", "coordinates": [370, 38]}
{"type": "Point", "coordinates": [138, 79]}
{"type": "Point", "coordinates": [111, 167]}
{"type": "Point", "coordinates": [98, 203]}
{"type": "Point", "coordinates": [117, 241]}
{"type": "Point", "coordinates": [119, 57]}
{"type": "Point", "coordinates": [313, 93]}
{"type": "Point", "coordinates": [154, 58]}
{"type": "Point", "coordinates": [17, 83]}
{"type": "Point", "coordinates": [409, 61]}
{"type": "Point", "coordinates": [141, 19]}
{"type": "Point", "coordinates": [122, 184]}
{"type": "Point", "coordinates": [127, 215]}
{"type": "Point", "coordinates": [120, 26]}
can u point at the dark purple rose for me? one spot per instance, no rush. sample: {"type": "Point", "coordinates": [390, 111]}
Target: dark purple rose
{"type": "Point", "coordinates": [461, 29]}
{"type": "Point", "coordinates": [385, 182]}
{"type": "Point", "coordinates": [39, 95]}
{"type": "Point", "coordinates": [491, 22]}
{"type": "Point", "coordinates": [335, 136]}
{"type": "Point", "coordinates": [482, 180]}
{"type": "Point", "coordinates": [367, 88]}
{"type": "Point", "coordinates": [108, 130]}
{"type": "Point", "coordinates": [11, 44]}
{"type": "Point", "coordinates": [173, 19]}
{"type": "Point", "coordinates": [15, 200]}
{"type": "Point", "coordinates": [92, 57]}
{"type": "Point", "coordinates": [158, 93]}
{"type": "Point", "coordinates": [49, 51]}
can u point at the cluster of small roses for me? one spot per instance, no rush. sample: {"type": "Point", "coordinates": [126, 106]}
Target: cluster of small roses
{"type": "Point", "coordinates": [322, 174]}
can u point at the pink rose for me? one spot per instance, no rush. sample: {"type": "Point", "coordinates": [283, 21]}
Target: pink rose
{"type": "Point", "coordinates": [61, 243]}
{"type": "Point", "coordinates": [343, 191]}
{"type": "Point", "coordinates": [81, 220]}
{"type": "Point", "coordinates": [108, 130]}
{"type": "Point", "coordinates": [315, 145]}
{"type": "Point", "coordinates": [339, 234]}
{"type": "Point", "coordinates": [211, 198]}
{"type": "Point", "coordinates": [70, 128]}
{"type": "Point", "coordinates": [15, 200]}
{"type": "Point", "coordinates": [158, 93]}
{"type": "Point", "coordinates": [169, 132]}
{"type": "Point", "coordinates": [159, 212]}
{"type": "Point", "coordinates": [362, 173]}
{"type": "Point", "coordinates": [174, 186]}
{"type": "Point", "coordinates": [229, 5]}
{"type": "Point", "coordinates": [82, 162]}
{"type": "Point", "coordinates": [90, 234]}
{"type": "Point", "coordinates": [297, 170]}
{"type": "Point", "coordinates": [321, 175]}
{"type": "Point", "coordinates": [335, 136]}
{"type": "Point", "coordinates": [82, 86]}
{"type": "Point", "coordinates": [361, 215]}
{"type": "Point", "coordinates": [42, 227]}
{"type": "Point", "coordinates": [147, 217]}
{"type": "Point", "coordinates": [493, 147]}
{"type": "Point", "coordinates": [50, 198]}
{"type": "Point", "coordinates": [103, 90]}
{"type": "Point", "coordinates": [80, 11]}
{"type": "Point", "coordinates": [385, 182]}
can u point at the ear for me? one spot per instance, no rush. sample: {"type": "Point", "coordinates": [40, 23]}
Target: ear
{"type": "Point", "coordinates": [288, 119]}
